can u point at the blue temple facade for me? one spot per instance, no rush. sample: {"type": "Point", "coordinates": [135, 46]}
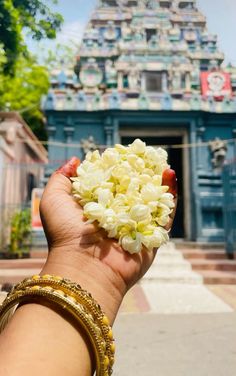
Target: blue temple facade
{"type": "Point", "coordinates": [152, 70]}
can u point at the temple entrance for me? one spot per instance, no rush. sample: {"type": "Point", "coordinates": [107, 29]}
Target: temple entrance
{"type": "Point", "coordinates": [176, 162]}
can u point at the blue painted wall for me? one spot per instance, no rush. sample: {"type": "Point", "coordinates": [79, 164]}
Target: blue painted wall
{"type": "Point", "coordinates": [203, 182]}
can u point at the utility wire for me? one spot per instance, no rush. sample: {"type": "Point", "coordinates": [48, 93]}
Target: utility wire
{"type": "Point", "coordinates": [79, 145]}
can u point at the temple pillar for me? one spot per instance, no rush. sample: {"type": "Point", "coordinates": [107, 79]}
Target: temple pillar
{"type": "Point", "coordinates": [200, 154]}
{"type": "Point", "coordinates": [164, 82]}
{"type": "Point", "coordinates": [109, 131]}
{"type": "Point", "coordinates": [234, 136]}
{"type": "Point", "coordinates": [120, 81]}
{"type": "Point", "coordinates": [143, 82]}
{"type": "Point", "coordinates": [188, 82]}
{"type": "Point", "coordinates": [69, 150]}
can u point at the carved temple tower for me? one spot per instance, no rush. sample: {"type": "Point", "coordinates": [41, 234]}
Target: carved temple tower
{"type": "Point", "coordinates": [151, 69]}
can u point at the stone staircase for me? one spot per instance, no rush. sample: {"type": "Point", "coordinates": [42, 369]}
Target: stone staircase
{"type": "Point", "coordinates": [211, 263]}
{"type": "Point", "coordinates": [175, 264]}
{"type": "Point", "coordinates": [184, 263]}
{"type": "Point", "coordinates": [171, 267]}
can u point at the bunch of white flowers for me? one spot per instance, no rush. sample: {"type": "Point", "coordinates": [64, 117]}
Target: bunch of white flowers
{"type": "Point", "coordinates": [122, 190]}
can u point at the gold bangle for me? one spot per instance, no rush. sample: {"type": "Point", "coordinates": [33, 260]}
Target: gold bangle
{"type": "Point", "coordinates": [77, 302]}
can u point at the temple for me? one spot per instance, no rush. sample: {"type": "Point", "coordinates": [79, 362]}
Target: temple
{"type": "Point", "coordinates": [151, 69]}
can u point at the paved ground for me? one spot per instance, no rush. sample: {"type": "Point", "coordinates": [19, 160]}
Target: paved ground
{"type": "Point", "coordinates": [151, 297]}
{"type": "Point", "coordinates": [190, 343]}
{"type": "Point", "coordinates": [175, 326]}
{"type": "Point", "coordinates": [175, 345]}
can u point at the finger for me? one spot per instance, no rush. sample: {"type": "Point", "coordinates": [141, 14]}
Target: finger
{"type": "Point", "coordinates": [172, 216]}
{"type": "Point", "coordinates": [169, 179]}
{"type": "Point", "coordinates": [59, 182]}
{"type": "Point", "coordinates": [70, 168]}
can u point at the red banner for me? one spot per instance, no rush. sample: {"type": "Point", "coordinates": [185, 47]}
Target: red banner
{"type": "Point", "coordinates": [216, 84]}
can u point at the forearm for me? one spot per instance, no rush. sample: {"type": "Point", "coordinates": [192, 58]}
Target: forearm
{"type": "Point", "coordinates": [38, 340]}
{"type": "Point", "coordinates": [46, 341]}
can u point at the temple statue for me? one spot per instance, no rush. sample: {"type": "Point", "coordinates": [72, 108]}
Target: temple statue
{"type": "Point", "coordinates": [190, 34]}
{"type": "Point", "coordinates": [111, 75]}
{"type": "Point", "coordinates": [91, 32]}
{"type": "Point", "coordinates": [122, 3]}
{"type": "Point", "coordinates": [142, 4]}
{"type": "Point", "coordinates": [175, 33]}
{"type": "Point", "coordinates": [176, 81]}
{"type": "Point", "coordinates": [134, 79]}
{"type": "Point", "coordinates": [88, 145]}
{"type": "Point", "coordinates": [110, 32]}
{"type": "Point", "coordinates": [126, 30]}
{"type": "Point", "coordinates": [195, 74]}
{"type": "Point", "coordinates": [164, 42]}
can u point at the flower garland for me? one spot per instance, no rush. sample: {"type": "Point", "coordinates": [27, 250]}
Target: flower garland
{"type": "Point", "coordinates": [122, 190]}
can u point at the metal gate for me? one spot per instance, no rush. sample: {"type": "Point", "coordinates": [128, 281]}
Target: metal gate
{"type": "Point", "coordinates": [229, 186]}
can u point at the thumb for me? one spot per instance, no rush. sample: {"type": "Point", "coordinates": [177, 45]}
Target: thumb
{"type": "Point", "coordinates": [58, 188]}
{"type": "Point", "coordinates": [70, 168]}
{"type": "Point", "coordinates": [57, 204]}
{"type": "Point", "coordinates": [60, 181]}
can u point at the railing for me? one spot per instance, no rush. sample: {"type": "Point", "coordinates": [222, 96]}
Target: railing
{"type": "Point", "coordinates": [229, 186]}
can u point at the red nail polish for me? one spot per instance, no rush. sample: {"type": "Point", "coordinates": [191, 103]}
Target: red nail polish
{"type": "Point", "coordinates": [169, 179]}
{"type": "Point", "coordinates": [69, 169]}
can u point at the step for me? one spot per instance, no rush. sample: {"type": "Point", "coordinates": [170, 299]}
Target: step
{"type": "Point", "coordinates": [22, 264]}
{"type": "Point", "coordinates": [190, 254]}
{"type": "Point", "coordinates": [215, 277]}
{"type": "Point", "coordinates": [172, 276]}
{"type": "Point", "coordinates": [39, 253]}
{"type": "Point", "coordinates": [14, 276]}
{"type": "Point", "coordinates": [221, 265]}
{"type": "Point", "coordinates": [198, 245]}
{"type": "Point", "coordinates": [167, 264]}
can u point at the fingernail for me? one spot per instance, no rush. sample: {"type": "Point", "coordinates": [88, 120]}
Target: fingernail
{"type": "Point", "coordinates": [169, 179]}
{"type": "Point", "coordinates": [69, 169]}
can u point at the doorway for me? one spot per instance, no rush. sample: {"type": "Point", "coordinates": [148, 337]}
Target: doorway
{"type": "Point", "coordinates": [176, 161]}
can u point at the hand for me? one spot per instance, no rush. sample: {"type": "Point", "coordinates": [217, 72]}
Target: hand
{"type": "Point", "coordinates": [86, 248]}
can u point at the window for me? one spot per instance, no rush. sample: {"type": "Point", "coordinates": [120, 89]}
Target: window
{"type": "Point", "coordinates": [153, 82]}
{"type": "Point", "coordinates": [132, 3]}
{"type": "Point", "coordinates": [186, 5]}
{"type": "Point", "coordinates": [165, 4]}
{"type": "Point", "coordinates": [150, 33]}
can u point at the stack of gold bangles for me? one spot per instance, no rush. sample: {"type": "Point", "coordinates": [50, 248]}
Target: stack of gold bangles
{"type": "Point", "coordinates": [64, 294]}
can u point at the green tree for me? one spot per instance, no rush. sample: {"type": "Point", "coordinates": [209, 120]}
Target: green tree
{"type": "Point", "coordinates": [60, 55]}
{"type": "Point", "coordinates": [31, 16]}
{"type": "Point", "coordinates": [23, 92]}
{"type": "Point", "coordinates": [22, 80]}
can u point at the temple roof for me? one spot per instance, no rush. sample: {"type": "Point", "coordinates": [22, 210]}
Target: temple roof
{"type": "Point", "coordinates": [145, 54]}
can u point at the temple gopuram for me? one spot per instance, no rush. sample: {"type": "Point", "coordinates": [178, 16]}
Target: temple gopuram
{"type": "Point", "coordinates": [151, 70]}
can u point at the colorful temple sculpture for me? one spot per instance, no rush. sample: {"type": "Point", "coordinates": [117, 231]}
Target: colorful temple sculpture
{"type": "Point", "coordinates": [151, 69]}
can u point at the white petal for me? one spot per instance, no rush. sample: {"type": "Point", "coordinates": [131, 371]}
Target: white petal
{"type": "Point", "coordinates": [95, 211]}
{"type": "Point", "coordinates": [137, 147]}
{"type": "Point", "coordinates": [131, 245]}
{"type": "Point", "coordinates": [140, 213]}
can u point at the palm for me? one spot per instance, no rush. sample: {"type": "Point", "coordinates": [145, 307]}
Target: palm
{"type": "Point", "coordinates": [65, 227]}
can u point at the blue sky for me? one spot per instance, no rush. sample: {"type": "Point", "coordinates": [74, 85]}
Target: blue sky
{"type": "Point", "coordinates": [221, 16]}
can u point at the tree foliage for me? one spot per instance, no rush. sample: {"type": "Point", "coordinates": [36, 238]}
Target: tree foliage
{"type": "Point", "coordinates": [23, 91]}
{"type": "Point", "coordinates": [30, 16]}
{"type": "Point", "coordinates": [61, 55]}
{"type": "Point", "coordinates": [22, 80]}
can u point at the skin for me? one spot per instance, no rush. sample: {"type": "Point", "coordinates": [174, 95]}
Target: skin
{"type": "Point", "coordinates": [41, 339]}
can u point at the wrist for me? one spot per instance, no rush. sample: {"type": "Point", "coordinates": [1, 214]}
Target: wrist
{"type": "Point", "coordinates": [106, 287]}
